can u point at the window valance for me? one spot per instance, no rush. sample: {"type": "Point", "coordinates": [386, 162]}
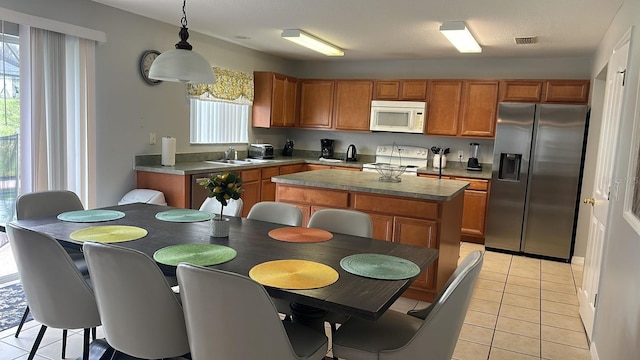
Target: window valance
{"type": "Point", "coordinates": [230, 86]}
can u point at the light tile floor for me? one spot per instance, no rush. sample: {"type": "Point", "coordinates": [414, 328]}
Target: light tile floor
{"type": "Point", "coordinates": [522, 308]}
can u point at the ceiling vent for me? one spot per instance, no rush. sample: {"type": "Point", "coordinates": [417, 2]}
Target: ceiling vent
{"type": "Point", "coordinates": [525, 40]}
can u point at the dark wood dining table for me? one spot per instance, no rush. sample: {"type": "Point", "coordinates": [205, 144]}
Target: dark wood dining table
{"type": "Point", "coordinates": [353, 295]}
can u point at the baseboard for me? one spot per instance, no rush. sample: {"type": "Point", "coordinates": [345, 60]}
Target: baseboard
{"type": "Point", "coordinates": [577, 260]}
{"type": "Point", "coordinates": [593, 352]}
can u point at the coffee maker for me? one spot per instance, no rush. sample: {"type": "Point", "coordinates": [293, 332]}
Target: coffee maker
{"type": "Point", "coordinates": [473, 163]}
{"type": "Point", "coordinates": [326, 148]}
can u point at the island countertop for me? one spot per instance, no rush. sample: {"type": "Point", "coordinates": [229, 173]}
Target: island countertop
{"type": "Point", "coordinates": [410, 187]}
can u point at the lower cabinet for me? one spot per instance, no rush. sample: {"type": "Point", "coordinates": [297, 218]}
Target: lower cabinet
{"type": "Point", "coordinates": [418, 222]}
{"type": "Point", "coordinates": [251, 183]}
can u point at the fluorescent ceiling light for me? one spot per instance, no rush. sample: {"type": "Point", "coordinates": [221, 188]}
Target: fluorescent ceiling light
{"type": "Point", "coordinates": [182, 64]}
{"type": "Point", "coordinates": [460, 37]}
{"type": "Point", "coordinates": [302, 38]}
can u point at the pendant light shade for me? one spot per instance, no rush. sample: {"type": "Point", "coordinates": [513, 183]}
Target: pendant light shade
{"type": "Point", "coordinates": [182, 64]}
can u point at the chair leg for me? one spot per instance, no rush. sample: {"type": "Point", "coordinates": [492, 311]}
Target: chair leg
{"type": "Point", "coordinates": [36, 343]}
{"type": "Point", "coordinates": [333, 331]}
{"type": "Point", "coordinates": [24, 318]}
{"type": "Point", "coordinates": [64, 343]}
{"type": "Point", "coordinates": [85, 345]}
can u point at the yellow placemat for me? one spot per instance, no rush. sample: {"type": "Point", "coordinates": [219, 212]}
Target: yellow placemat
{"type": "Point", "coordinates": [293, 274]}
{"type": "Point", "coordinates": [109, 233]}
{"type": "Point", "coordinates": [300, 234]}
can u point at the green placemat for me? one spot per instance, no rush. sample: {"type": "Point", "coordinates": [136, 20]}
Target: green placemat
{"type": "Point", "coordinates": [90, 215]}
{"type": "Point", "coordinates": [183, 215]}
{"type": "Point", "coordinates": [195, 254]}
{"type": "Point", "coordinates": [109, 233]}
{"type": "Point", "coordinates": [379, 266]}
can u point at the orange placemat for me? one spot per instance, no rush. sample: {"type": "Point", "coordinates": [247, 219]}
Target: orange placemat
{"type": "Point", "coordinates": [300, 234]}
{"type": "Point", "coordinates": [294, 274]}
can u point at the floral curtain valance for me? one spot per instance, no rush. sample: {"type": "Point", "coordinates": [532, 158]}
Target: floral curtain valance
{"type": "Point", "coordinates": [230, 86]}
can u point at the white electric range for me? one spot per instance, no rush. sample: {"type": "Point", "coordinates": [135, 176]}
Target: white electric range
{"type": "Point", "coordinates": [413, 157]}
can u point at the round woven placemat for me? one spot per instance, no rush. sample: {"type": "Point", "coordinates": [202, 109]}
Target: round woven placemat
{"type": "Point", "coordinates": [300, 234]}
{"type": "Point", "coordinates": [109, 233]}
{"type": "Point", "coordinates": [379, 266]}
{"type": "Point", "coordinates": [195, 254]}
{"type": "Point", "coordinates": [87, 216]}
{"type": "Point", "coordinates": [294, 274]}
{"type": "Point", "coordinates": [183, 215]}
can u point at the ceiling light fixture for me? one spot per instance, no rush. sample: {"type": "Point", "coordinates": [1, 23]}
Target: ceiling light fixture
{"type": "Point", "coordinates": [458, 34]}
{"type": "Point", "coordinates": [307, 40]}
{"type": "Point", "coordinates": [182, 64]}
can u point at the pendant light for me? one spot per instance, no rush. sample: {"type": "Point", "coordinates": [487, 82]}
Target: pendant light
{"type": "Point", "coordinates": [182, 64]}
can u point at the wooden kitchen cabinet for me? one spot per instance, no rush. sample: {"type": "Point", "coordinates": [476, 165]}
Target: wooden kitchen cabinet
{"type": "Point", "coordinates": [566, 91]}
{"type": "Point", "coordinates": [251, 183]}
{"type": "Point", "coordinates": [275, 97]}
{"type": "Point", "coordinates": [316, 104]}
{"type": "Point", "coordinates": [545, 91]}
{"type": "Point", "coordinates": [479, 108]}
{"type": "Point", "coordinates": [352, 104]}
{"type": "Point", "coordinates": [310, 167]}
{"type": "Point", "coordinates": [268, 188]}
{"type": "Point", "coordinates": [176, 188]}
{"type": "Point", "coordinates": [465, 108]}
{"type": "Point", "coordinates": [418, 232]}
{"type": "Point", "coordinates": [382, 226]}
{"type": "Point", "coordinates": [400, 90]}
{"type": "Point", "coordinates": [443, 107]}
{"type": "Point", "coordinates": [290, 169]}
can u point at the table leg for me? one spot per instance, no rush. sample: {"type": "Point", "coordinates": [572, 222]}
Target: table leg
{"type": "Point", "coordinates": [308, 316]}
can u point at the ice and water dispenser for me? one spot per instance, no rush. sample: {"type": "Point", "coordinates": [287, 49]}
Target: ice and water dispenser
{"type": "Point", "coordinates": [509, 167]}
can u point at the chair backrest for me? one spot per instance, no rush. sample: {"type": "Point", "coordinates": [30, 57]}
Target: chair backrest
{"type": "Point", "coordinates": [57, 293]}
{"type": "Point", "coordinates": [46, 203]}
{"type": "Point", "coordinates": [141, 315]}
{"type": "Point", "coordinates": [233, 208]}
{"type": "Point", "coordinates": [440, 330]}
{"type": "Point", "coordinates": [276, 212]}
{"type": "Point", "coordinates": [230, 316]}
{"type": "Point", "coordinates": [350, 222]}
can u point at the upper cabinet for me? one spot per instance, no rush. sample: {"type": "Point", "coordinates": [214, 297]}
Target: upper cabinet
{"type": "Point", "coordinates": [316, 103]}
{"type": "Point", "coordinates": [462, 108]}
{"type": "Point", "coordinates": [545, 91]}
{"type": "Point", "coordinates": [335, 104]}
{"type": "Point", "coordinates": [400, 90]}
{"type": "Point", "coordinates": [274, 103]}
{"type": "Point", "coordinates": [352, 104]}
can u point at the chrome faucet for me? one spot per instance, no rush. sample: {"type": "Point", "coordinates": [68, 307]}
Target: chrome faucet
{"type": "Point", "coordinates": [228, 152]}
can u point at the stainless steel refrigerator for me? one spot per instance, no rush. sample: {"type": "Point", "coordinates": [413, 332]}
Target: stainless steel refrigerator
{"type": "Point", "coordinates": [538, 157]}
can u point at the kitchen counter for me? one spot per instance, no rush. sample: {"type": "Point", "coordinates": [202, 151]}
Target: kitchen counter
{"type": "Point", "coordinates": [410, 187]}
{"type": "Point", "coordinates": [459, 169]}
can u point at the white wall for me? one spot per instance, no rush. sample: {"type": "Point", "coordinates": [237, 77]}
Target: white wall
{"type": "Point", "coordinates": [617, 322]}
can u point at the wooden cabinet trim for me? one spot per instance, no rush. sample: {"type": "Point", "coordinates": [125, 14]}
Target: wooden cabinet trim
{"type": "Point", "coordinates": [521, 90]}
{"type": "Point", "coordinates": [269, 172]}
{"type": "Point", "coordinates": [396, 206]}
{"type": "Point", "coordinates": [317, 197]}
{"type": "Point", "coordinates": [567, 91]}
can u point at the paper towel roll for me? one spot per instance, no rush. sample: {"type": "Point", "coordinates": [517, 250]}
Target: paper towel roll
{"type": "Point", "coordinates": [168, 151]}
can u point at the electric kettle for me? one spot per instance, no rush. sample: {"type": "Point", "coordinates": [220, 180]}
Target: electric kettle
{"type": "Point", "coordinates": [352, 154]}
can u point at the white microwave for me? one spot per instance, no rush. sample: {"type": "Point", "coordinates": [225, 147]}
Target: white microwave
{"type": "Point", "coordinates": [398, 116]}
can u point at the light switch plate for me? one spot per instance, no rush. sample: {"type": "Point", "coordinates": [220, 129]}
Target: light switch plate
{"type": "Point", "coordinates": [152, 138]}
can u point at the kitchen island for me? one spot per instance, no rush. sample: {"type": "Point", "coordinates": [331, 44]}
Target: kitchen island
{"type": "Point", "coordinates": [418, 211]}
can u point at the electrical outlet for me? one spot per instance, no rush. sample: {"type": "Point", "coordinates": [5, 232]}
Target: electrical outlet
{"type": "Point", "coordinates": [152, 138]}
{"type": "Point", "coordinates": [460, 154]}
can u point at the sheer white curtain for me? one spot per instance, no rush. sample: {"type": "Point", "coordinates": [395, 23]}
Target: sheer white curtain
{"type": "Point", "coordinates": [218, 122]}
{"type": "Point", "coordinates": [58, 113]}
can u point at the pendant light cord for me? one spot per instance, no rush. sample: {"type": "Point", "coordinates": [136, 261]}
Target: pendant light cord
{"type": "Point", "coordinates": [183, 21]}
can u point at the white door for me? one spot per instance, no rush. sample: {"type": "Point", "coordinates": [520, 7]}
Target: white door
{"type": "Point", "coordinates": [599, 201]}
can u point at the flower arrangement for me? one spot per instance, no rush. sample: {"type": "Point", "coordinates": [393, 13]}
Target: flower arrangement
{"type": "Point", "coordinates": [224, 187]}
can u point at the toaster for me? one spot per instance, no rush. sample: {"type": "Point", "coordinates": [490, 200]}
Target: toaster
{"type": "Point", "coordinates": [261, 151]}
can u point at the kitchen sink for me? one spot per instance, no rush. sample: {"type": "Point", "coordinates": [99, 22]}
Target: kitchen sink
{"type": "Point", "coordinates": [259, 161]}
{"type": "Point", "coordinates": [228, 162]}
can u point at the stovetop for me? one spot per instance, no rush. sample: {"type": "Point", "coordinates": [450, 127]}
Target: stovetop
{"type": "Point", "coordinates": [413, 157]}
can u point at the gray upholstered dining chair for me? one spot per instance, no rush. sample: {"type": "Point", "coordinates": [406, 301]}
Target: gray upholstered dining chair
{"type": "Point", "coordinates": [233, 208]}
{"type": "Point", "coordinates": [57, 293]}
{"type": "Point", "coordinates": [231, 317]}
{"type": "Point", "coordinates": [350, 222]}
{"type": "Point", "coordinates": [431, 332]}
{"type": "Point", "coordinates": [141, 315]}
{"type": "Point", "coordinates": [50, 203]}
{"type": "Point", "coordinates": [276, 212]}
